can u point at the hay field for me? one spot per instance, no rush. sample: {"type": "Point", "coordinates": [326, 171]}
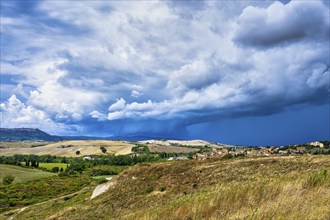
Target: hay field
{"type": "Point", "coordinates": [23, 144]}
{"type": "Point", "coordinates": [193, 143]}
{"type": "Point", "coordinates": [69, 148]}
{"type": "Point", "coordinates": [170, 149]}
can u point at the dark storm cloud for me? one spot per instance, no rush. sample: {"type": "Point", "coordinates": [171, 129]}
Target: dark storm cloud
{"type": "Point", "coordinates": [154, 67]}
{"type": "Point", "coordinates": [283, 24]}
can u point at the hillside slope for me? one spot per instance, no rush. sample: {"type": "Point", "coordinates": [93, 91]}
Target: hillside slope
{"type": "Point", "coordinates": [22, 174]}
{"type": "Point", "coordinates": [26, 134]}
{"type": "Point", "coordinates": [69, 148]}
{"type": "Point", "coordinates": [249, 188]}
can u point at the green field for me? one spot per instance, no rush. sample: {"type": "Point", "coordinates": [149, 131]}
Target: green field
{"type": "Point", "coordinates": [22, 174]}
{"type": "Point", "coordinates": [49, 166]}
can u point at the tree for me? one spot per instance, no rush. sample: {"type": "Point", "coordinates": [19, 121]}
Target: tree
{"type": "Point", "coordinates": [103, 149]}
{"type": "Point", "coordinates": [77, 152]}
{"type": "Point", "coordinates": [8, 179]}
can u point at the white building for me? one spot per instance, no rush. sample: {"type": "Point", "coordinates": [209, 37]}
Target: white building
{"type": "Point", "coordinates": [316, 144]}
{"type": "Point", "coordinates": [88, 158]}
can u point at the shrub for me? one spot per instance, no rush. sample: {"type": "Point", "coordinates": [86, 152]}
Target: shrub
{"type": "Point", "coordinates": [140, 149]}
{"type": "Point", "coordinates": [8, 179]}
{"type": "Point", "coordinates": [106, 170]}
{"type": "Point", "coordinates": [228, 156]}
{"type": "Point", "coordinates": [56, 169]}
{"type": "Point", "coordinates": [77, 152]}
{"type": "Point", "coordinates": [149, 189]}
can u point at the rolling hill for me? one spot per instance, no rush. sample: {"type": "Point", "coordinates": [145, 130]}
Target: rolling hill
{"type": "Point", "coordinates": [249, 188]}
{"type": "Point", "coordinates": [22, 174]}
{"type": "Point", "coordinates": [69, 148]}
{"type": "Point", "coordinates": [33, 134]}
{"type": "Point", "coordinates": [26, 134]}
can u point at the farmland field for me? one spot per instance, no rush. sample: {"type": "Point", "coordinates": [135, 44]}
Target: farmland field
{"type": "Point", "coordinates": [22, 174]}
{"type": "Point", "coordinates": [69, 148]}
{"type": "Point", "coordinates": [191, 143]}
{"type": "Point", "coordinates": [22, 144]}
{"type": "Point", "coordinates": [49, 166]}
{"type": "Point", "coordinates": [171, 149]}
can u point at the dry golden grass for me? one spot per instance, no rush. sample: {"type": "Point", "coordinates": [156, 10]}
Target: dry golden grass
{"type": "Point", "coordinates": [22, 144]}
{"type": "Point", "coordinates": [244, 188]}
{"type": "Point", "coordinates": [194, 143]}
{"type": "Point", "coordinates": [69, 148]}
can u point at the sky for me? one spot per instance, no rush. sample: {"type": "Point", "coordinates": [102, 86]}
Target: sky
{"type": "Point", "coordinates": [236, 72]}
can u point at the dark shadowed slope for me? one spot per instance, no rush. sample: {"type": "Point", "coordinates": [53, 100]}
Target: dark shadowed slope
{"type": "Point", "coordinates": [26, 134]}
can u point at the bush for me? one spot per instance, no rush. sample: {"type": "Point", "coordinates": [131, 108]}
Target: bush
{"type": "Point", "coordinates": [8, 179]}
{"type": "Point", "coordinates": [106, 170]}
{"type": "Point", "coordinates": [149, 189]}
{"type": "Point", "coordinates": [228, 156]}
{"type": "Point", "coordinates": [77, 152]}
{"type": "Point", "coordinates": [55, 169]}
{"type": "Point", "coordinates": [140, 149]}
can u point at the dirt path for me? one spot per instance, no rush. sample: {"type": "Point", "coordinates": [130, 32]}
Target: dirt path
{"type": "Point", "coordinates": [17, 211]}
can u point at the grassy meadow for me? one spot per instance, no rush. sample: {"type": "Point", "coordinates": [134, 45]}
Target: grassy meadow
{"type": "Point", "coordinates": [50, 166]}
{"type": "Point", "coordinates": [23, 194]}
{"type": "Point", "coordinates": [22, 174]}
{"type": "Point", "coordinates": [241, 188]}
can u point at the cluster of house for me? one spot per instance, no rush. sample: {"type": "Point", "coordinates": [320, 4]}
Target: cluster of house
{"type": "Point", "coordinates": [259, 151]}
{"type": "Point", "coordinates": [316, 144]}
{"type": "Point", "coordinates": [216, 153]}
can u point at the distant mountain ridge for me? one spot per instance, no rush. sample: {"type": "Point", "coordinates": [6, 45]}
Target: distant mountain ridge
{"type": "Point", "coordinates": [26, 134]}
{"type": "Point", "coordinates": [34, 134]}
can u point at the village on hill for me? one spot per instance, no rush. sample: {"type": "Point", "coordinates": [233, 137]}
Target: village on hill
{"type": "Point", "coordinates": [310, 148]}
